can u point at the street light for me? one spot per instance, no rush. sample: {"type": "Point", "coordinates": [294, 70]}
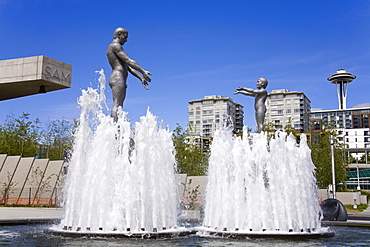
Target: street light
{"type": "Point", "coordinates": [332, 163]}
{"type": "Point", "coordinates": [358, 175]}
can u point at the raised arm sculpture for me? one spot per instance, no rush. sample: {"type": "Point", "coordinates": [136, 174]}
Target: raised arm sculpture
{"type": "Point", "coordinates": [260, 98]}
{"type": "Point", "coordinates": [121, 64]}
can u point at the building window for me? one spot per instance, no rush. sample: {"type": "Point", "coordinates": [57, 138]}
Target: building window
{"type": "Point", "coordinates": [291, 95]}
{"type": "Point", "coordinates": [208, 112]}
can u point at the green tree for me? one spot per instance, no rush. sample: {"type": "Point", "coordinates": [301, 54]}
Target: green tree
{"type": "Point", "coordinates": [190, 158]}
{"type": "Point", "coordinates": [20, 136]}
{"type": "Point", "coordinates": [362, 160]}
{"type": "Point", "coordinates": [58, 140]}
{"type": "Point", "coordinates": [321, 157]}
{"type": "Point", "coordinates": [24, 137]}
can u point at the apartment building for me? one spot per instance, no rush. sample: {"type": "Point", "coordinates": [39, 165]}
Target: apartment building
{"type": "Point", "coordinates": [355, 117]}
{"type": "Point", "coordinates": [207, 115]}
{"type": "Point", "coordinates": [288, 108]}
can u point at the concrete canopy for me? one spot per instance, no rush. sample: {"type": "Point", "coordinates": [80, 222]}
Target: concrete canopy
{"type": "Point", "coordinates": [32, 75]}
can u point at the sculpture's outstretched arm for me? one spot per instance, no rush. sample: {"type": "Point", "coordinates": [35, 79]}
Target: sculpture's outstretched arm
{"type": "Point", "coordinates": [245, 91]}
{"type": "Point", "coordinates": [118, 50]}
{"type": "Point", "coordinates": [137, 75]}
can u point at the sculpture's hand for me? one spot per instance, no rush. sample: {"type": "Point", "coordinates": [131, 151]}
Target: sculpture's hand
{"type": "Point", "coordinates": [146, 76]}
{"type": "Point", "coordinates": [145, 83]}
{"type": "Point", "coordinates": [236, 92]}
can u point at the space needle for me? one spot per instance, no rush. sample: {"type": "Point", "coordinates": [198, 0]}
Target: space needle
{"type": "Point", "coordinates": [341, 80]}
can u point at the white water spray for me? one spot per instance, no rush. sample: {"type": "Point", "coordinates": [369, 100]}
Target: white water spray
{"type": "Point", "coordinates": [119, 179]}
{"type": "Point", "coordinates": [256, 186]}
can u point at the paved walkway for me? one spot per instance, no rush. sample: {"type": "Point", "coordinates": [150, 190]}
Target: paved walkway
{"type": "Point", "coordinates": [24, 215]}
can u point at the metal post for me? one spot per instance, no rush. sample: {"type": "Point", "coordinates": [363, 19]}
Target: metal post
{"type": "Point", "coordinates": [29, 196]}
{"type": "Point", "coordinates": [358, 177]}
{"type": "Point", "coordinates": [55, 200]}
{"type": "Point", "coordinates": [332, 164]}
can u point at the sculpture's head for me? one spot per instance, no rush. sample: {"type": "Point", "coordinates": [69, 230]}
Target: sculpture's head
{"type": "Point", "coordinates": [262, 82]}
{"type": "Point", "coordinates": [121, 34]}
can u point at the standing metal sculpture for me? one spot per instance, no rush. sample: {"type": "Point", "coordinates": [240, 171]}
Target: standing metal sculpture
{"type": "Point", "coordinates": [121, 64]}
{"type": "Point", "coordinates": [260, 98]}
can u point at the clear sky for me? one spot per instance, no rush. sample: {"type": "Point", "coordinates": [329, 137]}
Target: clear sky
{"type": "Point", "coordinates": [193, 48]}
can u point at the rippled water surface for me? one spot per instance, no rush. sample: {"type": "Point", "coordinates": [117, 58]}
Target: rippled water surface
{"type": "Point", "coordinates": [38, 236]}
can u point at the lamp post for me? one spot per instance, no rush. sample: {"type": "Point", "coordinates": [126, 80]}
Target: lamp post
{"type": "Point", "coordinates": [332, 163]}
{"type": "Point", "coordinates": [358, 175]}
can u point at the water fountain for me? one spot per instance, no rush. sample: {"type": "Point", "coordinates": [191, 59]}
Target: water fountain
{"type": "Point", "coordinates": [120, 181]}
{"type": "Point", "coordinates": [260, 188]}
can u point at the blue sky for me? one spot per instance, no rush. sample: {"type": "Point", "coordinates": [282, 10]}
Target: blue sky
{"type": "Point", "coordinates": [193, 49]}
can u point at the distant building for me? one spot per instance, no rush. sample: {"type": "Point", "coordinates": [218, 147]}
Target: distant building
{"type": "Point", "coordinates": [207, 115]}
{"type": "Point", "coordinates": [288, 108]}
{"type": "Point", "coordinates": [355, 138]}
{"type": "Point", "coordinates": [351, 125]}
{"type": "Point", "coordinates": [355, 117]}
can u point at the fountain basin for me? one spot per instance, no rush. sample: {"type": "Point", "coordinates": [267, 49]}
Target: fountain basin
{"type": "Point", "coordinates": [243, 234]}
{"type": "Point", "coordinates": [169, 233]}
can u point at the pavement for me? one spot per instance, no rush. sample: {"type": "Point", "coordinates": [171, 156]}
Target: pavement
{"type": "Point", "coordinates": [25, 216]}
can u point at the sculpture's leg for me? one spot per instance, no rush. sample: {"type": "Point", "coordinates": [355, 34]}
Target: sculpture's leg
{"type": "Point", "coordinates": [118, 86]}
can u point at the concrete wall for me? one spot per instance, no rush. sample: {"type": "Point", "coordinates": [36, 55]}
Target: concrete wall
{"type": "Point", "coordinates": [2, 160]}
{"type": "Point", "coordinates": [29, 180]}
{"type": "Point", "coordinates": [345, 197]}
{"type": "Point", "coordinates": [8, 169]}
{"type": "Point", "coordinates": [190, 186]}
{"type": "Point", "coordinates": [20, 177]}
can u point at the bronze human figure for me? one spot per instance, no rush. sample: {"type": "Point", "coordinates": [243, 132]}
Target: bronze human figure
{"type": "Point", "coordinates": [260, 98]}
{"type": "Point", "coordinates": [121, 64]}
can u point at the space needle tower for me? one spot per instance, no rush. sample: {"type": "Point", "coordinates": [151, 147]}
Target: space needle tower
{"type": "Point", "coordinates": [341, 80]}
